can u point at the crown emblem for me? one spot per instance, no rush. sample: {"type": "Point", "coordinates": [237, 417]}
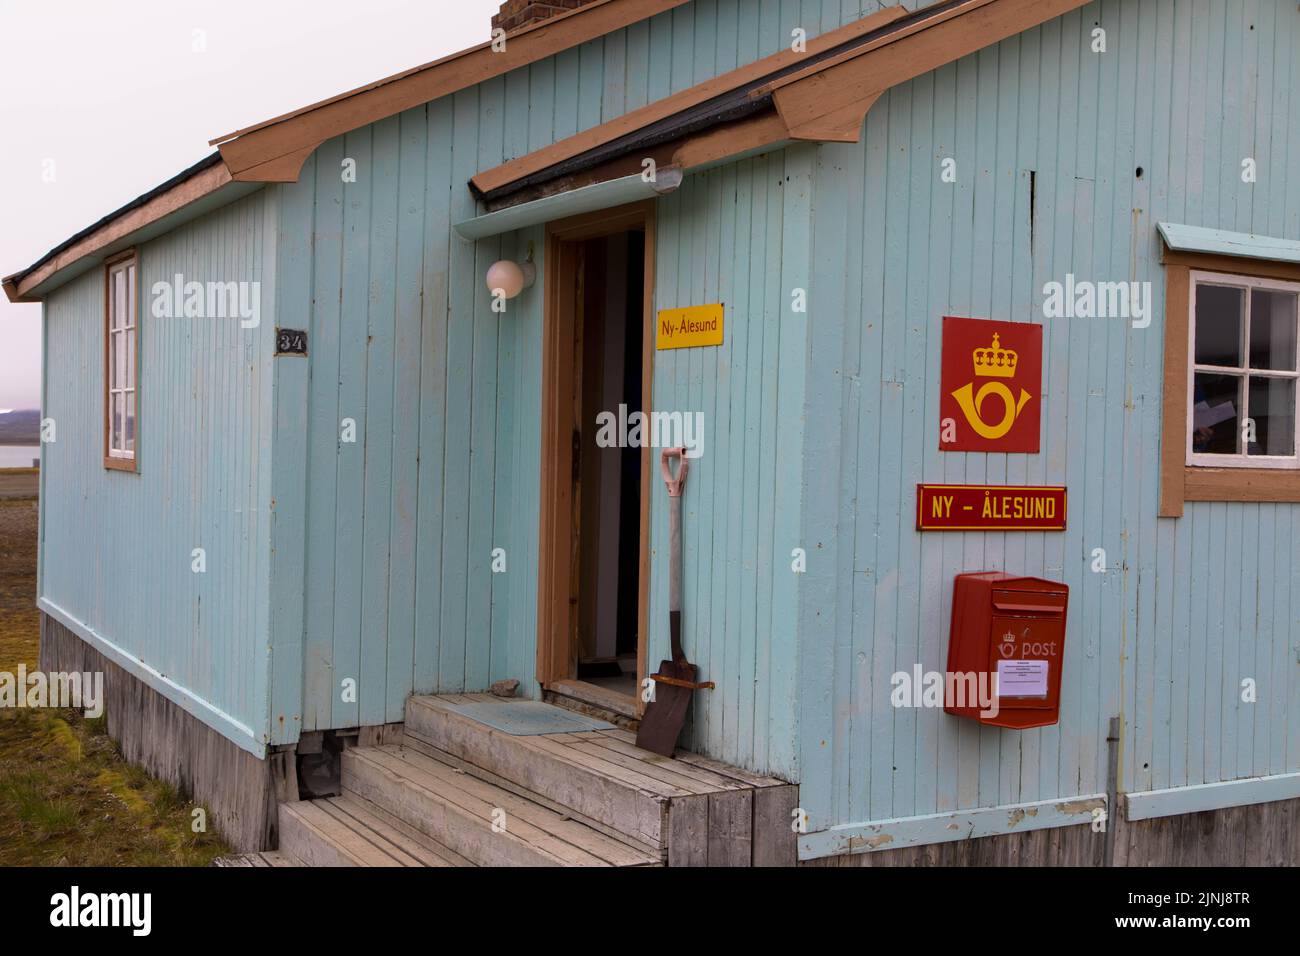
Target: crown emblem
{"type": "Point", "coordinates": [995, 362]}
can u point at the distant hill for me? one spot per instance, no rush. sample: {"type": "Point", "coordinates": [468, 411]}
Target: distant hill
{"type": "Point", "coordinates": [20, 427]}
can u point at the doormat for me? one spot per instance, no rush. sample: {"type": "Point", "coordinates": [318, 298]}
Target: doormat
{"type": "Point", "coordinates": [526, 718]}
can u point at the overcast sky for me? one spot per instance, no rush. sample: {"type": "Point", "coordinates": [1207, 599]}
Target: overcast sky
{"type": "Point", "coordinates": [118, 96]}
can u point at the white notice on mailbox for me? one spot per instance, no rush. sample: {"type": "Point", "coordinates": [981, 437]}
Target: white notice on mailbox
{"type": "Point", "coordinates": [1022, 678]}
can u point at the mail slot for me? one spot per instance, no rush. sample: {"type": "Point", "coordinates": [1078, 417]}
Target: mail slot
{"type": "Point", "coordinates": [1008, 633]}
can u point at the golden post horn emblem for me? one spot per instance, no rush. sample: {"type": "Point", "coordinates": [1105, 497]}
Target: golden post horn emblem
{"type": "Point", "coordinates": [995, 363]}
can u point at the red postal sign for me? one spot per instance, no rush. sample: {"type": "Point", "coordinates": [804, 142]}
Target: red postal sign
{"type": "Point", "coordinates": [990, 386]}
{"type": "Point", "coordinates": [989, 508]}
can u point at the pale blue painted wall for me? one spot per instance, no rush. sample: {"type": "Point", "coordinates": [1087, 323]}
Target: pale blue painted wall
{"type": "Point", "coordinates": [370, 560]}
{"type": "Point", "coordinates": [397, 529]}
{"type": "Point", "coordinates": [1189, 606]}
{"type": "Point", "coordinates": [116, 547]}
{"type": "Point", "coordinates": [738, 235]}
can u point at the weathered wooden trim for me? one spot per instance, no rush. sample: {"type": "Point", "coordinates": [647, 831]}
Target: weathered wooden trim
{"type": "Point", "coordinates": [728, 142]}
{"type": "Point", "coordinates": [1240, 484]}
{"type": "Point", "coordinates": [593, 695]}
{"type": "Point", "coordinates": [218, 720]}
{"type": "Point", "coordinates": [837, 96]}
{"type": "Point", "coordinates": [647, 396]}
{"type": "Point", "coordinates": [251, 152]}
{"type": "Point", "coordinates": [1262, 834]}
{"type": "Point", "coordinates": [516, 169]}
{"type": "Point", "coordinates": [556, 499]}
{"type": "Point", "coordinates": [1173, 424]}
{"type": "Point", "coordinates": [839, 126]}
{"type": "Point", "coordinates": [554, 613]}
{"type": "Point", "coordinates": [1179, 481]}
{"type": "Point", "coordinates": [182, 194]}
{"type": "Point", "coordinates": [585, 199]}
{"type": "Point", "coordinates": [111, 463]}
{"type": "Point", "coordinates": [826, 101]}
{"type": "Point", "coordinates": [1211, 796]}
{"type": "Point", "coordinates": [948, 827]}
{"type": "Point", "coordinates": [172, 743]}
{"type": "Point", "coordinates": [275, 149]}
{"type": "Point", "coordinates": [934, 19]}
{"type": "Point", "coordinates": [731, 141]}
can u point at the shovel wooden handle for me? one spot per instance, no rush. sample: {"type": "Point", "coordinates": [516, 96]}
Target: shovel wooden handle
{"type": "Point", "coordinates": [675, 484]}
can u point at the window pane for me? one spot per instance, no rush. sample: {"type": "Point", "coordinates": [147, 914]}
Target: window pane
{"type": "Point", "coordinates": [130, 359]}
{"type": "Point", "coordinates": [118, 378]}
{"type": "Point", "coordinates": [1272, 409]}
{"type": "Point", "coordinates": [119, 299]}
{"type": "Point", "coordinates": [115, 429]}
{"type": "Point", "coordinates": [1272, 329]}
{"type": "Point", "coordinates": [1216, 404]}
{"type": "Point", "coordinates": [129, 318]}
{"type": "Point", "coordinates": [1218, 325]}
{"type": "Point", "coordinates": [130, 421]}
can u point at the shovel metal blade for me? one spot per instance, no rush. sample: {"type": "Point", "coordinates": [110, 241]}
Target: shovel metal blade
{"type": "Point", "coordinates": [664, 716]}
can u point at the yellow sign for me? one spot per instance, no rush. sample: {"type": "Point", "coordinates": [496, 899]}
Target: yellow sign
{"type": "Point", "coordinates": [690, 327]}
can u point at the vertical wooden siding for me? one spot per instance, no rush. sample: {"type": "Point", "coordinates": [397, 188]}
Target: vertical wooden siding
{"type": "Point", "coordinates": [1187, 607]}
{"type": "Point", "coordinates": [400, 526]}
{"type": "Point", "coordinates": [116, 546]}
{"type": "Point", "coordinates": [737, 235]}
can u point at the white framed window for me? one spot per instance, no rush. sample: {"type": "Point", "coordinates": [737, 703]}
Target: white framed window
{"type": "Point", "coordinates": [121, 424]}
{"type": "Point", "coordinates": [1244, 372]}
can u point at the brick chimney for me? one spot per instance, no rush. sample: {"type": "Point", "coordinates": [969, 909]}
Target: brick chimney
{"type": "Point", "coordinates": [516, 14]}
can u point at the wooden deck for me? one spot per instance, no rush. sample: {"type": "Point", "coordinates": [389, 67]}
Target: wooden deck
{"type": "Point", "coordinates": [687, 809]}
{"type": "Point", "coordinates": [457, 792]}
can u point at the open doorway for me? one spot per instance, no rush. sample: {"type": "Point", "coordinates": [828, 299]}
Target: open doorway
{"type": "Point", "coordinates": [607, 489]}
{"type": "Point", "coordinates": [592, 582]}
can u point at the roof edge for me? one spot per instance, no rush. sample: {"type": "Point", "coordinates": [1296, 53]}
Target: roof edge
{"type": "Point", "coordinates": [201, 179]}
{"type": "Point", "coordinates": [273, 150]}
{"type": "Point", "coordinates": [824, 97]}
{"type": "Point", "coordinates": [268, 152]}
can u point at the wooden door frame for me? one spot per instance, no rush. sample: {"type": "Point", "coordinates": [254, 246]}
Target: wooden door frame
{"type": "Point", "coordinates": [554, 614]}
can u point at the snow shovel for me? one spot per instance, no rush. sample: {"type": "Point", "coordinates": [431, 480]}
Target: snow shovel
{"type": "Point", "coordinates": [664, 715]}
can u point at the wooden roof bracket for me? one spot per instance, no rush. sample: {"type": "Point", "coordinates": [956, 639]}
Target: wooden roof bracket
{"type": "Point", "coordinates": [825, 100]}
{"type": "Point", "coordinates": [843, 125]}
{"type": "Point", "coordinates": [829, 100]}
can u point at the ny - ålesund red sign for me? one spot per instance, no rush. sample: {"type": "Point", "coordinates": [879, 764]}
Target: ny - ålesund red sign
{"type": "Point", "coordinates": [989, 508]}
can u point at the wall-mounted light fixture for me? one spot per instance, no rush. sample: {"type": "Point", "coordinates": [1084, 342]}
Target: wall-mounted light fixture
{"type": "Point", "coordinates": [509, 278]}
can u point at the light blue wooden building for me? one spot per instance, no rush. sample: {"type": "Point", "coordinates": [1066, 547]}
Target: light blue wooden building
{"type": "Point", "coordinates": [275, 547]}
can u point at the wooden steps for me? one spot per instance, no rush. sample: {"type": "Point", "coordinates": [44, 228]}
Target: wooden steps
{"type": "Point", "coordinates": [457, 792]}
{"type": "Point", "coordinates": [477, 819]}
{"type": "Point", "coordinates": [688, 810]}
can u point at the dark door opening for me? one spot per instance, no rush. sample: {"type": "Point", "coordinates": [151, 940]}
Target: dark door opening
{"type": "Point", "coordinates": [608, 389]}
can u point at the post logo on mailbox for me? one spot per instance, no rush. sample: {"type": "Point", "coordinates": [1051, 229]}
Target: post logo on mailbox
{"type": "Point", "coordinates": [991, 380]}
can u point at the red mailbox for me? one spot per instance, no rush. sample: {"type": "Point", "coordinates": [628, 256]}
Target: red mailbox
{"type": "Point", "coordinates": [1011, 629]}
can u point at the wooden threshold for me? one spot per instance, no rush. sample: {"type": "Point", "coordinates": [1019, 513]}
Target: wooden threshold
{"type": "Point", "coordinates": [622, 704]}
